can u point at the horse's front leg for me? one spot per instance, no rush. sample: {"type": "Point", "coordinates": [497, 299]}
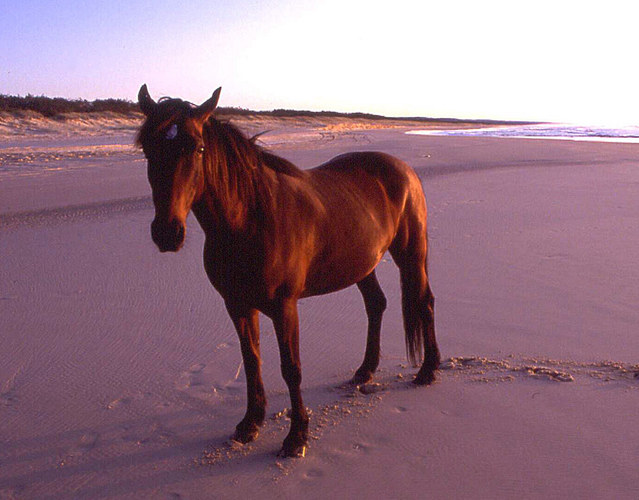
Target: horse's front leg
{"type": "Point", "coordinates": [248, 329]}
{"type": "Point", "coordinates": [375, 303]}
{"type": "Point", "coordinates": [287, 330]}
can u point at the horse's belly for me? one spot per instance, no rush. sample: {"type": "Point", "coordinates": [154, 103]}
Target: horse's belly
{"type": "Point", "coordinates": [331, 275]}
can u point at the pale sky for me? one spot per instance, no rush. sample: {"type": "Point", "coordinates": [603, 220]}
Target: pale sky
{"type": "Point", "coordinates": [556, 60]}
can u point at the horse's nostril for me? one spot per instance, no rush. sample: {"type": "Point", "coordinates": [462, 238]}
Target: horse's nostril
{"type": "Point", "coordinates": [169, 237]}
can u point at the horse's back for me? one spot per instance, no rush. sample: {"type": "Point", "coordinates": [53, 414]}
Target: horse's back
{"type": "Point", "coordinates": [365, 196]}
{"type": "Point", "coordinates": [375, 180]}
{"type": "Point", "coordinates": [386, 168]}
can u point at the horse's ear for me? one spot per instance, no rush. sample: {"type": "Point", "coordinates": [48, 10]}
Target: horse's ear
{"type": "Point", "coordinates": [206, 109]}
{"type": "Point", "coordinates": [147, 105]}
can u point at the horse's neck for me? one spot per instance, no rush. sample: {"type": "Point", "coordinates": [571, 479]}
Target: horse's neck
{"type": "Point", "coordinates": [232, 208]}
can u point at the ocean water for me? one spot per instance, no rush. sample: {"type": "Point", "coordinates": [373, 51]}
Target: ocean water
{"type": "Point", "coordinates": [545, 131]}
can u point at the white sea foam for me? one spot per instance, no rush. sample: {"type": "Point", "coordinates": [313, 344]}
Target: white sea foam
{"type": "Point", "coordinates": [557, 131]}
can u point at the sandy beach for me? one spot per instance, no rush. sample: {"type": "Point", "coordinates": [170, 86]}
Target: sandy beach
{"type": "Point", "coordinates": [121, 376]}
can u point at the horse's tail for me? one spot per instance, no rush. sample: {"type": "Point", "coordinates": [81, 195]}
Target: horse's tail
{"type": "Point", "coordinates": [413, 305]}
{"type": "Point", "coordinates": [410, 252]}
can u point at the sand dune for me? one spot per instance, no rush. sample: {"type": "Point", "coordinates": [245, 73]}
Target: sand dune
{"type": "Point", "coordinates": [121, 375]}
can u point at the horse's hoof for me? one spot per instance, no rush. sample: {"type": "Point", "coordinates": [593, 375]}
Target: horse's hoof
{"type": "Point", "coordinates": [247, 435]}
{"type": "Point", "coordinates": [361, 377]}
{"type": "Point", "coordinates": [293, 451]}
{"type": "Point", "coordinates": [424, 378]}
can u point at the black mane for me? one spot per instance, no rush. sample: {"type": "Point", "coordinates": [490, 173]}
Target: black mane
{"type": "Point", "coordinates": [229, 142]}
{"type": "Point", "coordinates": [244, 150]}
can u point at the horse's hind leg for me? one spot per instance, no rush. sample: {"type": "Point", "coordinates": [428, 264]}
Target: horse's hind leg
{"type": "Point", "coordinates": [375, 303]}
{"type": "Point", "coordinates": [426, 374]}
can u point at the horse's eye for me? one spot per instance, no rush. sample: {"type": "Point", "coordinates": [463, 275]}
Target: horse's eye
{"type": "Point", "coordinates": [200, 150]}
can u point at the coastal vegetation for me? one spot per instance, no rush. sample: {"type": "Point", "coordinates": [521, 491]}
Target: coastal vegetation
{"type": "Point", "coordinates": [53, 107]}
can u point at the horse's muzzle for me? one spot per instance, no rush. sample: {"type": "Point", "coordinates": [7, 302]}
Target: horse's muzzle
{"type": "Point", "coordinates": [168, 236]}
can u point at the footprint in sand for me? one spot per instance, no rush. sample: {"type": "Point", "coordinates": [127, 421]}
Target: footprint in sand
{"type": "Point", "coordinates": [193, 377]}
{"type": "Point", "coordinates": [85, 444]}
{"type": "Point", "coordinates": [313, 474]}
{"type": "Point", "coordinates": [190, 379]}
{"type": "Point", "coordinates": [371, 388]}
{"type": "Point", "coordinates": [8, 398]}
{"type": "Point", "coordinates": [362, 448]}
{"type": "Point", "coordinates": [200, 382]}
{"type": "Point", "coordinates": [196, 368]}
{"type": "Point", "coordinates": [156, 433]}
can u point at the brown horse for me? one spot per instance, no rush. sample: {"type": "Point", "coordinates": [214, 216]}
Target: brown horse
{"type": "Point", "coordinates": [275, 233]}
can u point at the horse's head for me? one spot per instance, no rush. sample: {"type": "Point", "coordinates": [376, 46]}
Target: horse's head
{"type": "Point", "coordinates": [171, 138]}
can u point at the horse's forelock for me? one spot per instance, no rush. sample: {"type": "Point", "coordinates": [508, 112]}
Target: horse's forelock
{"type": "Point", "coordinates": [168, 110]}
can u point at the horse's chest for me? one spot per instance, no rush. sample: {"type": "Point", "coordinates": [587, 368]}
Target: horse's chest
{"type": "Point", "coordinates": [235, 270]}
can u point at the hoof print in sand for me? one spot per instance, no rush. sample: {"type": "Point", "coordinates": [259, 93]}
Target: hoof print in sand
{"type": "Point", "coordinates": [362, 447]}
{"type": "Point", "coordinates": [371, 388]}
{"type": "Point", "coordinates": [189, 379]}
{"type": "Point", "coordinates": [313, 474]}
{"type": "Point", "coordinates": [194, 380]}
{"type": "Point", "coordinates": [196, 368]}
{"type": "Point", "coordinates": [85, 444]}
{"type": "Point", "coordinates": [8, 398]}
{"type": "Point", "coordinates": [156, 434]}
{"type": "Point", "coordinates": [203, 382]}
